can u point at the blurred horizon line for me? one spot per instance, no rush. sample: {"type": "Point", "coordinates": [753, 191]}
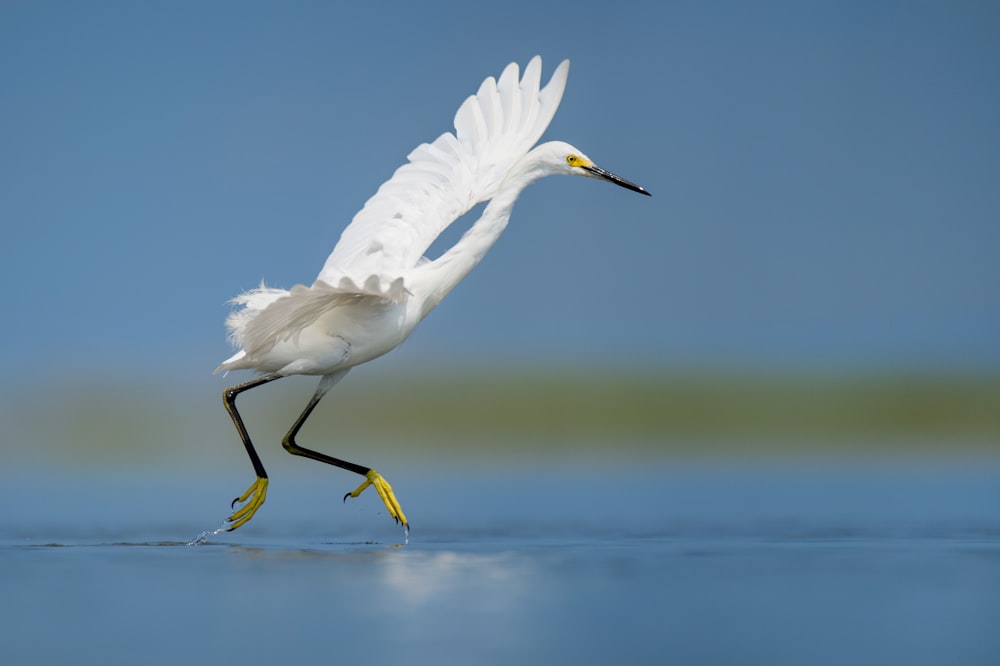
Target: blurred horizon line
{"type": "Point", "coordinates": [533, 412]}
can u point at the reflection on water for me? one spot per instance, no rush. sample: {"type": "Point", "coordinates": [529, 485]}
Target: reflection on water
{"type": "Point", "coordinates": [814, 565]}
{"type": "Point", "coordinates": [496, 581]}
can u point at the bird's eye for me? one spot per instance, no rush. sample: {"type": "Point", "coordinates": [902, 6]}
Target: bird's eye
{"type": "Point", "coordinates": [572, 160]}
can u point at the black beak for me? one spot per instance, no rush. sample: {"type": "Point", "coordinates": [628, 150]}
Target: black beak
{"type": "Point", "coordinates": [598, 172]}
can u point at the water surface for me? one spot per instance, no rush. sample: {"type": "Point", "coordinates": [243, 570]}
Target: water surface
{"type": "Point", "coordinates": [819, 564]}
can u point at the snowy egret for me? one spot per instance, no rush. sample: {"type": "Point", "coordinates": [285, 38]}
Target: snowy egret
{"type": "Point", "coordinates": [377, 286]}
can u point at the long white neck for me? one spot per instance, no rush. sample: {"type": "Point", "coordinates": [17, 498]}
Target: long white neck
{"type": "Point", "coordinates": [436, 280]}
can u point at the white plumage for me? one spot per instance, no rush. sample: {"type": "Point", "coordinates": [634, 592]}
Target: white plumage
{"type": "Point", "coordinates": [384, 243]}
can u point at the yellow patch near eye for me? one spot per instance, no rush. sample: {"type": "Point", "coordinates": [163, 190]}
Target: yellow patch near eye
{"type": "Point", "coordinates": [577, 161]}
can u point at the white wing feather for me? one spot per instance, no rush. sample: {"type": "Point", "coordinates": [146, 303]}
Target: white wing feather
{"type": "Point", "coordinates": [443, 180]}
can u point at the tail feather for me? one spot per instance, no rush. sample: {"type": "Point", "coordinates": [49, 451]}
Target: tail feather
{"type": "Point", "coordinates": [253, 302]}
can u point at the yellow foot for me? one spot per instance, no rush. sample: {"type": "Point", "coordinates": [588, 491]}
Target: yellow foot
{"type": "Point", "coordinates": [384, 490]}
{"type": "Point", "coordinates": [256, 494]}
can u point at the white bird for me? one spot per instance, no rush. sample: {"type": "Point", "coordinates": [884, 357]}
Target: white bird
{"type": "Point", "coordinates": [376, 285]}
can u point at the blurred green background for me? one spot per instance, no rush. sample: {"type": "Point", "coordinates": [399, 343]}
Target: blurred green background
{"type": "Point", "coordinates": [509, 416]}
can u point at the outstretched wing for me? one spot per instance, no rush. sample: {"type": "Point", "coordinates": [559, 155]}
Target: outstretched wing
{"type": "Point", "coordinates": [443, 180]}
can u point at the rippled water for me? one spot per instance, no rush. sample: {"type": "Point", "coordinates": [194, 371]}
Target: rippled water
{"type": "Point", "coordinates": [815, 564]}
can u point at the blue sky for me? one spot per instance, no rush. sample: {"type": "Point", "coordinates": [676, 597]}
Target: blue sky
{"type": "Point", "coordinates": [826, 177]}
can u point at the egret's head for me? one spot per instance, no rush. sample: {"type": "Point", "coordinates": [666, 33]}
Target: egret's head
{"type": "Point", "coordinates": [564, 158]}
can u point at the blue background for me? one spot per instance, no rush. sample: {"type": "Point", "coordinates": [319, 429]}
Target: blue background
{"type": "Point", "coordinates": [824, 177]}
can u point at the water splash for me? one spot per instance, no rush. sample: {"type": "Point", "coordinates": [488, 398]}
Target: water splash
{"type": "Point", "coordinates": [203, 538]}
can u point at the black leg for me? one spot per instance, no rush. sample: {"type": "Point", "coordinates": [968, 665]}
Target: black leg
{"type": "Point", "coordinates": [371, 476]}
{"type": "Point", "coordinates": [289, 443]}
{"type": "Point", "coordinates": [229, 398]}
{"type": "Point", "coordinates": [257, 492]}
